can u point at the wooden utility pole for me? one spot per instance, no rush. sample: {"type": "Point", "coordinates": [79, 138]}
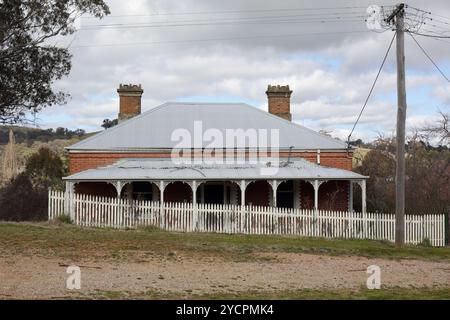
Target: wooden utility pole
{"type": "Point", "coordinates": [398, 14]}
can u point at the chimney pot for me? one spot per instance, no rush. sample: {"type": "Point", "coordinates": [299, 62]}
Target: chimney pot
{"type": "Point", "coordinates": [279, 101]}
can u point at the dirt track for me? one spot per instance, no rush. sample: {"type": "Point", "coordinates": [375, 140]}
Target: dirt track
{"type": "Point", "coordinates": [45, 277]}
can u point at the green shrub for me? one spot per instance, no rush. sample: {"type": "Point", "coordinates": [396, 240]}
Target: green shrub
{"type": "Point", "coordinates": [150, 229]}
{"type": "Point", "coordinates": [20, 201]}
{"type": "Point", "coordinates": [426, 242]}
{"type": "Point", "coordinates": [64, 218]}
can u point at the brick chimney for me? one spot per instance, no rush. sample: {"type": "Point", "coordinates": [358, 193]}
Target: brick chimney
{"type": "Point", "coordinates": [130, 101]}
{"type": "Point", "coordinates": [280, 101]}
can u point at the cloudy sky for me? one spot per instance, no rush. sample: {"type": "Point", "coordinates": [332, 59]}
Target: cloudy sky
{"type": "Point", "coordinates": [211, 50]}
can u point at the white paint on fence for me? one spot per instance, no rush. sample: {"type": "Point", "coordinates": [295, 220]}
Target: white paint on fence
{"type": "Point", "coordinates": [93, 211]}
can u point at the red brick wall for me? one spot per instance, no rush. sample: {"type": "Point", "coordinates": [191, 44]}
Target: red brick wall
{"type": "Point", "coordinates": [333, 195]}
{"type": "Point", "coordinates": [101, 189]}
{"type": "Point", "coordinates": [174, 192]}
{"type": "Point", "coordinates": [340, 160]}
{"type": "Point", "coordinates": [89, 160]}
{"type": "Point", "coordinates": [178, 192]}
{"type": "Point", "coordinates": [306, 195]}
{"type": "Point", "coordinates": [257, 193]}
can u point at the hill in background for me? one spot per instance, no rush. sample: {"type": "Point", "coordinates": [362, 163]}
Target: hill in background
{"type": "Point", "coordinates": [29, 140]}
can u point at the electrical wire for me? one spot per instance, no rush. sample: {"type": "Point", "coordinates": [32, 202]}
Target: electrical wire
{"type": "Point", "coordinates": [230, 12]}
{"type": "Point", "coordinates": [371, 89]}
{"type": "Point", "coordinates": [220, 39]}
{"type": "Point", "coordinates": [212, 23]}
{"type": "Point", "coordinates": [235, 19]}
{"type": "Point", "coordinates": [309, 15]}
{"type": "Point", "coordinates": [429, 35]}
{"type": "Point", "coordinates": [429, 57]}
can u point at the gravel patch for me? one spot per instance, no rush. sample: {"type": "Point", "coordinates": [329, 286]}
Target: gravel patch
{"type": "Point", "coordinates": [45, 277]}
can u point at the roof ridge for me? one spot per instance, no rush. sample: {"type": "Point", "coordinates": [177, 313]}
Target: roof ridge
{"type": "Point", "coordinates": [204, 103]}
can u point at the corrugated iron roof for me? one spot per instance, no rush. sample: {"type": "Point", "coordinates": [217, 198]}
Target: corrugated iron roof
{"type": "Point", "coordinates": [153, 129]}
{"type": "Point", "coordinates": [166, 169]}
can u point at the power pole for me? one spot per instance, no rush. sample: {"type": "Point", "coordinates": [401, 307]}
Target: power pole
{"type": "Point", "coordinates": [398, 14]}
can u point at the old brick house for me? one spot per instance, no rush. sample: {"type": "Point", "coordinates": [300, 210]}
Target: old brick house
{"type": "Point", "coordinates": [137, 158]}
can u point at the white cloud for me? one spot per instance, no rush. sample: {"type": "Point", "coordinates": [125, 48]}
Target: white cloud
{"type": "Point", "coordinates": [330, 74]}
{"type": "Point", "coordinates": [443, 93]}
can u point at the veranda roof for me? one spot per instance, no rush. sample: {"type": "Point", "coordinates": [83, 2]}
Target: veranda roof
{"type": "Point", "coordinates": [165, 169]}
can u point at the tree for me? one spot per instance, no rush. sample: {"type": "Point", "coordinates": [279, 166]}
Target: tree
{"type": "Point", "coordinates": [79, 132]}
{"type": "Point", "coordinates": [29, 64]}
{"type": "Point", "coordinates": [45, 169]}
{"type": "Point", "coordinates": [20, 201]}
{"type": "Point", "coordinates": [356, 143]}
{"type": "Point", "coordinates": [427, 177]}
{"type": "Point", "coordinates": [440, 130]}
{"type": "Point", "coordinates": [109, 123]}
{"type": "Point", "coordinates": [60, 131]}
{"type": "Point", "coordinates": [25, 197]}
{"type": "Point", "coordinates": [10, 166]}
{"type": "Point", "coordinates": [380, 167]}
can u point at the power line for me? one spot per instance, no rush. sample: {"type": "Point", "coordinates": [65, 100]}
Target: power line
{"type": "Point", "coordinates": [429, 57]}
{"type": "Point", "coordinates": [435, 21]}
{"type": "Point", "coordinates": [413, 18]}
{"type": "Point", "coordinates": [440, 27]}
{"type": "Point", "coordinates": [441, 40]}
{"type": "Point", "coordinates": [432, 33]}
{"type": "Point", "coordinates": [417, 9]}
{"type": "Point", "coordinates": [429, 13]}
{"type": "Point", "coordinates": [229, 12]}
{"type": "Point", "coordinates": [249, 18]}
{"type": "Point", "coordinates": [443, 17]}
{"type": "Point", "coordinates": [233, 22]}
{"type": "Point", "coordinates": [371, 89]}
{"type": "Point", "coordinates": [429, 35]}
{"type": "Point", "coordinates": [440, 21]}
{"type": "Point", "coordinates": [220, 39]}
{"type": "Point", "coordinates": [313, 15]}
{"type": "Point", "coordinates": [137, 26]}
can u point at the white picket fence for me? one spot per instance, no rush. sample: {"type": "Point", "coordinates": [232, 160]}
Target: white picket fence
{"type": "Point", "coordinates": [93, 211]}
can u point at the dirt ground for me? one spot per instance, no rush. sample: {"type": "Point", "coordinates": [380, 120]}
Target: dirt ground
{"type": "Point", "coordinates": [24, 276]}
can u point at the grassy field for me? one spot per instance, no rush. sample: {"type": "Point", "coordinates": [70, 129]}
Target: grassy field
{"type": "Point", "coordinates": [74, 242]}
{"type": "Point", "coordinates": [62, 242]}
{"type": "Point", "coordinates": [343, 294]}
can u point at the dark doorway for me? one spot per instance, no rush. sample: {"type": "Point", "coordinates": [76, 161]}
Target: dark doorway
{"type": "Point", "coordinates": [213, 193]}
{"type": "Point", "coordinates": [285, 195]}
{"type": "Point", "coordinates": [142, 190]}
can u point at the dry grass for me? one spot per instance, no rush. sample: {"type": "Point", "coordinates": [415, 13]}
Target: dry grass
{"type": "Point", "coordinates": [151, 264]}
{"type": "Point", "coordinates": [67, 241]}
{"type": "Point", "coordinates": [305, 294]}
